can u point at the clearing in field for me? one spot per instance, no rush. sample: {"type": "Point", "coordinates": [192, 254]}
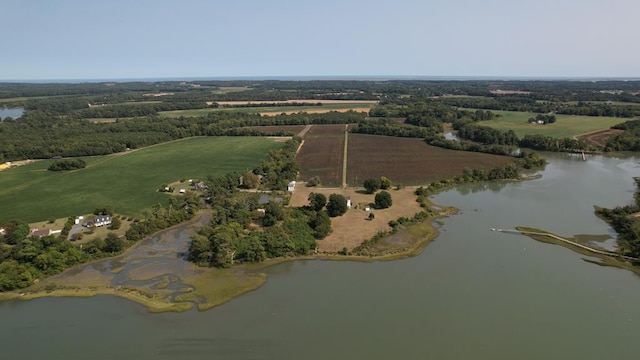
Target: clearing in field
{"type": "Point", "coordinates": [410, 161]}
{"type": "Point", "coordinates": [565, 125]}
{"type": "Point", "coordinates": [322, 154]}
{"type": "Point", "coordinates": [127, 181]}
{"type": "Point", "coordinates": [352, 228]}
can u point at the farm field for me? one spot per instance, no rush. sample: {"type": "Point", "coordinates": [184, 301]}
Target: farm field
{"type": "Point", "coordinates": [300, 101]}
{"type": "Point", "coordinates": [268, 109]}
{"type": "Point", "coordinates": [409, 161]}
{"type": "Point", "coordinates": [322, 154]}
{"type": "Point", "coordinates": [565, 126]}
{"type": "Point", "coordinates": [127, 181]}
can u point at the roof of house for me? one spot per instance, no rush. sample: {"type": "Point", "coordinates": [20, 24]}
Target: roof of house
{"type": "Point", "coordinates": [39, 233]}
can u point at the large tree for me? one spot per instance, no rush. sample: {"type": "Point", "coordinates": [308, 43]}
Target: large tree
{"type": "Point", "coordinates": [383, 200]}
{"type": "Point", "coordinates": [371, 185]}
{"type": "Point", "coordinates": [337, 205]}
{"type": "Point", "coordinates": [317, 201]}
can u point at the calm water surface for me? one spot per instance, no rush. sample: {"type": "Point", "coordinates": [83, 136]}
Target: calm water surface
{"type": "Point", "coordinates": [472, 294]}
{"type": "Point", "coordinates": [14, 113]}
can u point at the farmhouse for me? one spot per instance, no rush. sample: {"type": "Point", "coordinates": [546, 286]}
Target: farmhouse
{"type": "Point", "coordinates": [98, 221]}
{"type": "Point", "coordinates": [292, 186]}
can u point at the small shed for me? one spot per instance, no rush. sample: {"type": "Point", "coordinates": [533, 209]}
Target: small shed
{"type": "Point", "coordinates": [292, 186]}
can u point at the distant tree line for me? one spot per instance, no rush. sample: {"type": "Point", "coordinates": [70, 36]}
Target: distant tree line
{"type": "Point", "coordinates": [40, 136]}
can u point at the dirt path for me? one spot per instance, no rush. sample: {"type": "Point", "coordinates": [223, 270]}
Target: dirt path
{"type": "Point", "coordinates": [304, 131]}
{"type": "Point", "coordinates": [344, 157]}
{"type": "Point", "coordinates": [598, 138]}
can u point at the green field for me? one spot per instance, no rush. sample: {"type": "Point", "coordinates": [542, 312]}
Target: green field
{"type": "Point", "coordinates": [565, 125]}
{"type": "Point", "coordinates": [126, 181]}
{"type": "Point", "coordinates": [263, 109]}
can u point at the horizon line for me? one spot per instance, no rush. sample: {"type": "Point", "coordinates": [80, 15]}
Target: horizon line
{"type": "Point", "coordinates": [322, 77]}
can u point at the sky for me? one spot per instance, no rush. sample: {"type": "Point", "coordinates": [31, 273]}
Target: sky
{"type": "Point", "coordinates": [87, 39]}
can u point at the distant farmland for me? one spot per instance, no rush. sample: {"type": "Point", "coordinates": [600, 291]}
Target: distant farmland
{"type": "Point", "coordinates": [126, 181]}
{"type": "Point", "coordinates": [410, 161]}
{"type": "Point", "coordinates": [267, 110]}
{"type": "Point", "coordinates": [322, 154]}
{"type": "Point", "coordinates": [565, 126]}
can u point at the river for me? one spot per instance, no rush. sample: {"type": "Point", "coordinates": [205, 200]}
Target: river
{"type": "Point", "coordinates": [472, 294]}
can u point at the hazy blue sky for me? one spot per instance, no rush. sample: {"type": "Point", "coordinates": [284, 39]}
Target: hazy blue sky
{"type": "Point", "coordinates": [86, 39]}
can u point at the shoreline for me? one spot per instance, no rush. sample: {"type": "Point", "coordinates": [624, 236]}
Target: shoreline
{"type": "Point", "coordinates": [232, 282]}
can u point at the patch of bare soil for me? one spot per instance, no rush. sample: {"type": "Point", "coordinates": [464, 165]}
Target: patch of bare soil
{"type": "Point", "coordinates": [599, 138]}
{"type": "Point", "coordinates": [353, 228]}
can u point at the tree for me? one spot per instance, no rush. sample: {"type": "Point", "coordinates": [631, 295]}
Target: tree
{"type": "Point", "coordinates": [385, 183]}
{"type": "Point", "coordinates": [16, 232]}
{"type": "Point", "coordinates": [317, 201]}
{"type": "Point", "coordinates": [321, 225]}
{"type": "Point", "coordinates": [337, 205]}
{"type": "Point", "coordinates": [113, 243]}
{"type": "Point", "coordinates": [250, 180]}
{"type": "Point", "coordinates": [115, 224]}
{"type": "Point", "coordinates": [383, 200]}
{"type": "Point", "coordinates": [371, 185]}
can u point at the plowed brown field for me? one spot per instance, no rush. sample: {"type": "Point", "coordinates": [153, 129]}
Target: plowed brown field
{"type": "Point", "coordinates": [322, 154]}
{"type": "Point", "coordinates": [410, 161]}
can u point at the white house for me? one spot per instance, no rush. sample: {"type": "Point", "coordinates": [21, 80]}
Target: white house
{"type": "Point", "coordinates": [100, 220]}
{"type": "Point", "coordinates": [292, 186]}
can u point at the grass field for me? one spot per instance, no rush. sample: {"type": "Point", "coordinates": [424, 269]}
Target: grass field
{"type": "Point", "coordinates": [565, 125]}
{"type": "Point", "coordinates": [126, 181]}
{"type": "Point", "coordinates": [265, 109]}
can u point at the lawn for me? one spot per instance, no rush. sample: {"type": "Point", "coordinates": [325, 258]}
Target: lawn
{"type": "Point", "coordinates": [266, 109]}
{"type": "Point", "coordinates": [565, 126]}
{"type": "Point", "coordinates": [126, 181]}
